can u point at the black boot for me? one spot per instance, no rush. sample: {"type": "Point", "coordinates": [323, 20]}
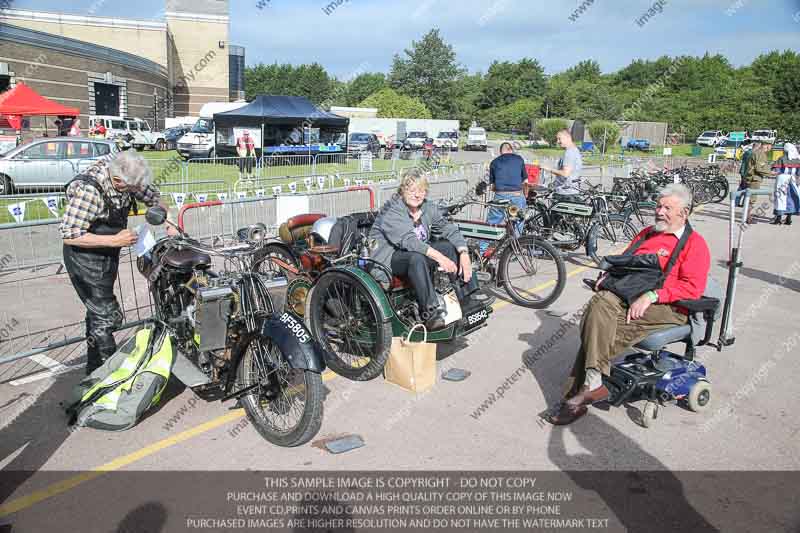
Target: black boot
{"type": "Point", "coordinates": [777, 221]}
{"type": "Point", "coordinates": [788, 220]}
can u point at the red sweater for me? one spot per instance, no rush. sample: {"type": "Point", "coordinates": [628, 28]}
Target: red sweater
{"type": "Point", "coordinates": [687, 279]}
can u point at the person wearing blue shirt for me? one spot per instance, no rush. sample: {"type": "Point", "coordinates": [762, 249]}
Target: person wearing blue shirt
{"type": "Point", "coordinates": [507, 175]}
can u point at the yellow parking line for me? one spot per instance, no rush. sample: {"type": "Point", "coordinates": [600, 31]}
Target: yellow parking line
{"type": "Point", "coordinates": [60, 487]}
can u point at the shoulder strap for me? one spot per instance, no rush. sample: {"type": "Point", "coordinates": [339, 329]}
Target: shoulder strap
{"type": "Point", "coordinates": [676, 252]}
{"type": "Point", "coordinates": [96, 184]}
{"type": "Point", "coordinates": [638, 243]}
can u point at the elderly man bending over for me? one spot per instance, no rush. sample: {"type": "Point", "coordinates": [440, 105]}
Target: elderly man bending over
{"type": "Point", "coordinates": [609, 326]}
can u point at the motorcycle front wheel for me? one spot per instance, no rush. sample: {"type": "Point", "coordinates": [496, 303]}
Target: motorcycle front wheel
{"type": "Point", "coordinates": [285, 406]}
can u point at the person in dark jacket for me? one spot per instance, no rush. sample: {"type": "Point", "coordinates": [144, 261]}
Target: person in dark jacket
{"type": "Point", "coordinates": [401, 237]}
{"type": "Point", "coordinates": [94, 229]}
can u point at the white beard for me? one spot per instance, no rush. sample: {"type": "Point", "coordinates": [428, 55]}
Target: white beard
{"type": "Point", "coordinates": [660, 226]}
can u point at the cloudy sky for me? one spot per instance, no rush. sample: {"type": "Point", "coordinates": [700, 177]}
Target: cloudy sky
{"type": "Point", "coordinates": [365, 34]}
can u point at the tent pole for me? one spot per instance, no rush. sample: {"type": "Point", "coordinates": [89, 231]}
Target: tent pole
{"type": "Point", "coordinates": [262, 139]}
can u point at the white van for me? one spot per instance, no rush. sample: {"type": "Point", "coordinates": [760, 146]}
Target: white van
{"type": "Point", "coordinates": [199, 142]}
{"type": "Point", "coordinates": [476, 139]}
{"type": "Point", "coordinates": [765, 135]}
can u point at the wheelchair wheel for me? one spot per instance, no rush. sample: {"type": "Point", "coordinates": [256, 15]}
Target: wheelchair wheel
{"type": "Point", "coordinates": [532, 272]}
{"type": "Point", "coordinates": [649, 414]}
{"type": "Point", "coordinates": [699, 396]}
{"type": "Point", "coordinates": [345, 318]}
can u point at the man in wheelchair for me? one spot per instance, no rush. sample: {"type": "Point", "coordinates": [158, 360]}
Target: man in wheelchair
{"type": "Point", "coordinates": [610, 325]}
{"type": "Point", "coordinates": [402, 239]}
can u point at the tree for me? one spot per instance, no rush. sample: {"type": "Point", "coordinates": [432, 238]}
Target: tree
{"type": "Point", "coordinates": [391, 104]}
{"type": "Point", "coordinates": [604, 133]}
{"type": "Point", "coordinates": [506, 82]}
{"type": "Point", "coordinates": [588, 70]}
{"type": "Point", "coordinates": [467, 92]}
{"type": "Point", "coordinates": [546, 129]}
{"type": "Point", "coordinates": [429, 72]}
{"type": "Point", "coordinates": [517, 116]}
{"type": "Point", "coordinates": [559, 99]}
{"type": "Point", "coordinates": [310, 81]}
{"type": "Point", "coordinates": [364, 85]}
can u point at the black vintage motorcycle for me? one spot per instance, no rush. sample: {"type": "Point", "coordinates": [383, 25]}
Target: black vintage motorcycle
{"type": "Point", "coordinates": [229, 342]}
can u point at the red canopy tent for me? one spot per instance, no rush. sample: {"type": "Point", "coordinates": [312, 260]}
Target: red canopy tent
{"type": "Point", "coordinates": [22, 101]}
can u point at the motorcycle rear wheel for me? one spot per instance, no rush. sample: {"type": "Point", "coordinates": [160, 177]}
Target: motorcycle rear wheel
{"type": "Point", "coordinates": [284, 393]}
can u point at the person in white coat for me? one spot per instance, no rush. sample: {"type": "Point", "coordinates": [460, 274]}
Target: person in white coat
{"type": "Point", "coordinates": [787, 186]}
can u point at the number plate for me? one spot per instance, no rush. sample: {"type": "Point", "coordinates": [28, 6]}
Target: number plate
{"type": "Point", "coordinates": [476, 318]}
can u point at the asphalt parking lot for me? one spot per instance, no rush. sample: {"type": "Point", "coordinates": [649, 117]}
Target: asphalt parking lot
{"type": "Point", "coordinates": [749, 425]}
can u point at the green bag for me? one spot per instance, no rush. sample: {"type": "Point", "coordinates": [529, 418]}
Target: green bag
{"type": "Point", "coordinates": [116, 395]}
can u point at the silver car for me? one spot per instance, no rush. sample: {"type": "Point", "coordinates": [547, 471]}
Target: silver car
{"type": "Point", "coordinates": [50, 162]}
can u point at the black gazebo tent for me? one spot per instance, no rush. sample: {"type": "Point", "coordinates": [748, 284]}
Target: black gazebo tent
{"type": "Point", "coordinates": [280, 115]}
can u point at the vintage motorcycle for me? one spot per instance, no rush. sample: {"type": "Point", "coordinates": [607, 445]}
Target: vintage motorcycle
{"type": "Point", "coordinates": [230, 343]}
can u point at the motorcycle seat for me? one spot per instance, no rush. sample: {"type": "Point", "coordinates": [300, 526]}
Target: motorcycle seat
{"type": "Point", "coordinates": [303, 220]}
{"type": "Point", "coordinates": [187, 260]}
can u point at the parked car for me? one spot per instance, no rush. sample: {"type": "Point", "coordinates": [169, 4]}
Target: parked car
{"type": "Point", "coordinates": [447, 140]}
{"type": "Point", "coordinates": [173, 135]}
{"type": "Point", "coordinates": [476, 139]}
{"type": "Point", "coordinates": [50, 162]}
{"type": "Point", "coordinates": [415, 140]}
{"type": "Point", "coordinates": [363, 142]}
{"type": "Point", "coordinates": [765, 135]}
{"type": "Point", "coordinates": [711, 138]}
{"type": "Point", "coordinates": [638, 144]}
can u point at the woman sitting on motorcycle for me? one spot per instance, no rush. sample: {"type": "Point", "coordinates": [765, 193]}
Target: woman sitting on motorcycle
{"type": "Point", "coordinates": [401, 237]}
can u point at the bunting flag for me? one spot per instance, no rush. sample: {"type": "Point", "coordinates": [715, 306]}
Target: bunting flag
{"type": "Point", "coordinates": [202, 197]}
{"type": "Point", "coordinates": [347, 182]}
{"type": "Point", "coordinates": [222, 196]}
{"type": "Point", "coordinates": [321, 182]}
{"type": "Point", "coordinates": [179, 198]}
{"type": "Point", "coordinates": [52, 204]}
{"type": "Point", "coordinates": [241, 195]}
{"type": "Point", "coordinates": [359, 183]}
{"type": "Point", "coordinates": [260, 193]}
{"type": "Point", "coordinates": [17, 211]}
{"type": "Point", "coordinates": [370, 182]}
{"type": "Point", "coordinates": [308, 182]}
{"type": "Point", "coordinates": [293, 187]}
{"type": "Point", "coordinates": [276, 190]}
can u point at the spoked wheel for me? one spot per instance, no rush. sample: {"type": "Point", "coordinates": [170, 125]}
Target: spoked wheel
{"type": "Point", "coordinates": [286, 405]}
{"type": "Point", "coordinates": [271, 258]}
{"type": "Point", "coordinates": [605, 239]}
{"type": "Point", "coordinates": [345, 318]}
{"type": "Point", "coordinates": [723, 188]}
{"type": "Point", "coordinates": [532, 272]}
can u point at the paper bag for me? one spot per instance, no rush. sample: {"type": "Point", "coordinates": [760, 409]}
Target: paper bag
{"type": "Point", "coordinates": [412, 365]}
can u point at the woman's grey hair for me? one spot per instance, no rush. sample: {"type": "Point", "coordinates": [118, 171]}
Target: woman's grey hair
{"type": "Point", "coordinates": [411, 177]}
{"type": "Point", "coordinates": [679, 191]}
{"type": "Point", "coordinates": [131, 168]}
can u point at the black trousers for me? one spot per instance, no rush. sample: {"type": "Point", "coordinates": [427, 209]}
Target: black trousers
{"type": "Point", "coordinates": [418, 268]}
{"type": "Point", "coordinates": [93, 276]}
{"type": "Point", "coordinates": [246, 164]}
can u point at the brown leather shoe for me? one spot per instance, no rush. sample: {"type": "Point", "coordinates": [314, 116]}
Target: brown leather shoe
{"type": "Point", "coordinates": [566, 415]}
{"type": "Point", "coordinates": [587, 397]}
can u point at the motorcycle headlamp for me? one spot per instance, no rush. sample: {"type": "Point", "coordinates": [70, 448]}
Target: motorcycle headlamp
{"type": "Point", "coordinates": [512, 211]}
{"type": "Point", "coordinates": [252, 233]}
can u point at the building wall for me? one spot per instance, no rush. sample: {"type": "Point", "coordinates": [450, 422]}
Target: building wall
{"type": "Point", "coordinates": [68, 78]}
{"type": "Point", "coordinates": [140, 37]}
{"type": "Point", "coordinates": [199, 66]}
